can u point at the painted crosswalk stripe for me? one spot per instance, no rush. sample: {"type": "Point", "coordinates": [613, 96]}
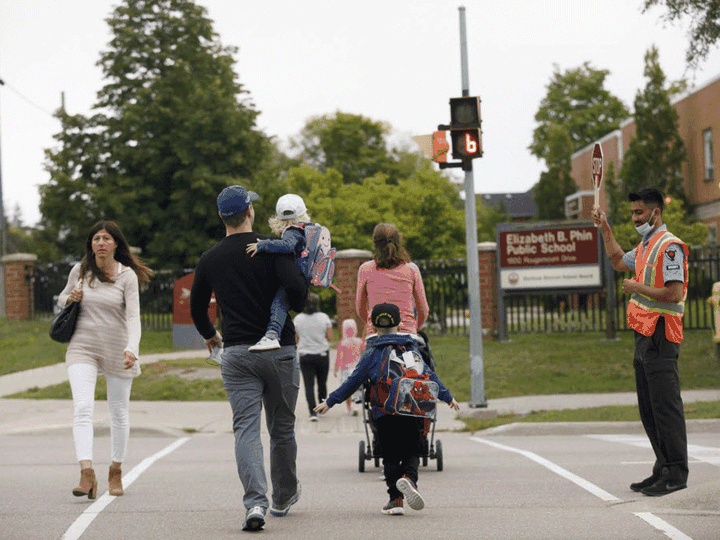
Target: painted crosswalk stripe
{"type": "Point", "coordinates": [79, 526]}
{"type": "Point", "coordinates": [587, 486]}
{"type": "Point", "coordinates": [662, 525]}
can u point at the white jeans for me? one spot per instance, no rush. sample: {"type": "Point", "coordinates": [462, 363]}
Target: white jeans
{"type": "Point", "coordinates": [83, 378]}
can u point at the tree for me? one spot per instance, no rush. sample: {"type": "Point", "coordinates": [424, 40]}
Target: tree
{"type": "Point", "coordinates": [704, 24]}
{"type": "Point", "coordinates": [577, 100]}
{"type": "Point", "coordinates": [675, 216]}
{"type": "Point", "coordinates": [655, 156]}
{"type": "Point", "coordinates": [576, 111]}
{"type": "Point", "coordinates": [425, 207]}
{"type": "Point", "coordinates": [172, 129]}
{"type": "Point", "coordinates": [556, 183]}
{"type": "Point", "coordinates": [353, 145]}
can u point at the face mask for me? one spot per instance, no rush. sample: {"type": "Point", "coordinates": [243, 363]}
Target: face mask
{"type": "Point", "coordinates": [645, 227]}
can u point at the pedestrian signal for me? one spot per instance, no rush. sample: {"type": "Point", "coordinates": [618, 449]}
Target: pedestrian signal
{"type": "Point", "coordinates": [465, 134]}
{"type": "Point", "coordinates": [466, 143]}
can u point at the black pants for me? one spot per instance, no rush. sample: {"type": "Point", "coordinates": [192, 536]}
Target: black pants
{"type": "Point", "coordinates": [661, 408]}
{"type": "Point", "coordinates": [315, 366]}
{"type": "Point", "coordinates": [401, 444]}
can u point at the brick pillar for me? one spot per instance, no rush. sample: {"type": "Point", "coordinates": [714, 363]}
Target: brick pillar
{"type": "Point", "coordinates": [347, 263]}
{"type": "Point", "coordinates": [487, 262]}
{"type": "Point", "coordinates": [19, 296]}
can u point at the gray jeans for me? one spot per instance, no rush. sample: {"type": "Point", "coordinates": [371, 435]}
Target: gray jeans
{"type": "Point", "coordinates": [253, 379]}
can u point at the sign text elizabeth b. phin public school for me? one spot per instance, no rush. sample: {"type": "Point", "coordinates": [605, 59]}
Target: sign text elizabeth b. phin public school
{"type": "Point", "coordinates": [548, 256]}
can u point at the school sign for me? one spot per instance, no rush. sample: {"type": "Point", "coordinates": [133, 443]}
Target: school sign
{"type": "Point", "coordinates": [547, 256]}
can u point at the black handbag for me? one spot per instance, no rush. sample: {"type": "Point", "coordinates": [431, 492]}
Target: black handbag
{"type": "Point", "coordinates": [62, 326]}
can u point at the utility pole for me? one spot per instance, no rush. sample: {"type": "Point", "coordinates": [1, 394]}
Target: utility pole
{"type": "Point", "coordinates": [477, 375]}
{"type": "Point", "coordinates": [3, 231]}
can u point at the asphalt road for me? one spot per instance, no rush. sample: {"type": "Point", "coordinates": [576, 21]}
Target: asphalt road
{"type": "Point", "coordinates": [555, 481]}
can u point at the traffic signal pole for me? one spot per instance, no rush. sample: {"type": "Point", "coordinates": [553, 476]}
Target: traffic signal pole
{"type": "Point", "coordinates": [477, 375]}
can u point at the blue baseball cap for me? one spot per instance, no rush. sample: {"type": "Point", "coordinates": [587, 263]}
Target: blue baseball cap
{"type": "Point", "coordinates": [235, 199]}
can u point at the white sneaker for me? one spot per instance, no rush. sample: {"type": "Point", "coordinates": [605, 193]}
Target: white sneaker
{"type": "Point", "coordinates": [265, 344]}
{"type": "Point", "coordinates": [254, 519]}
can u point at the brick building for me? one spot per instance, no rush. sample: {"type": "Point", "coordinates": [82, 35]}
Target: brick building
{"type": "Point", "coordinates": [698, 122]}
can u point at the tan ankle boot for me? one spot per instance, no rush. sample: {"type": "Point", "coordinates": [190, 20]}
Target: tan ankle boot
{"type": "Point", "coordinates": [115, 482]}
{"type": "Point", "coordinates": [88, 484]}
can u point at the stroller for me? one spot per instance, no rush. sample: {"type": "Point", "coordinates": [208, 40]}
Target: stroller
{"type": "Point", "coordinates": [370, 447]}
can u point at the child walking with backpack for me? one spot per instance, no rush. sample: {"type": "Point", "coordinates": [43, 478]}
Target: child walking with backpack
{"type": "Point", "coordinates": [399, 410]}
{"type": "Point", "coordinates": [310, 243]}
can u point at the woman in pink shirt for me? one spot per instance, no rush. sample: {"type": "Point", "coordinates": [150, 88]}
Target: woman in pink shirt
{"type": "Point", "coordinates": [391, 277]}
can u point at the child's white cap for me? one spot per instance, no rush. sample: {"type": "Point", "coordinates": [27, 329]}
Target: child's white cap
{"type": "Point", "coordinates": [290, 206]}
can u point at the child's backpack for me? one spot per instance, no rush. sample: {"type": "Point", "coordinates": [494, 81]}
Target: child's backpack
{"type": "Point", "coordinates": [404, 386]}
{"type": "Point", "coordinates": [320, 255]}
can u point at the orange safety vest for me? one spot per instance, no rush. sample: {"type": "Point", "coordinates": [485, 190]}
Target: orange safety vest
{"type": "Point", "coordinates": [643, 312]}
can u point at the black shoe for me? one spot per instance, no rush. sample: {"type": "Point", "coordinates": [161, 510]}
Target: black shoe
{"type": "Point", "coordinates": [663, 487]}
{"type": "Point", "coordinates": [649, 481]}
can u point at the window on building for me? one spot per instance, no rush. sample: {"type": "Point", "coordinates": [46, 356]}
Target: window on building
{"type": "Point", "coordinates": [708, 149]}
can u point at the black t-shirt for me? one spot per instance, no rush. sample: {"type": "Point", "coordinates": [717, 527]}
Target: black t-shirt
{"type": "Point", "coordinates": [244, 288]}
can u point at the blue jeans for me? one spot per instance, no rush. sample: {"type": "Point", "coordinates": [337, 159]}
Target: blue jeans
{"type": "Point", "coordinates": [278, 313]}
{"type": "Point", "coordinates": [253, 380]}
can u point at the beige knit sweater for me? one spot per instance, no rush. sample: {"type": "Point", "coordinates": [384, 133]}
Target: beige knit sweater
{"type": "Point", "coordinates": [108, 324]}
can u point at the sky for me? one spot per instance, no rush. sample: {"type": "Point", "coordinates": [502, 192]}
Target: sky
{"type": "Point", "coordinates": [395, 61]}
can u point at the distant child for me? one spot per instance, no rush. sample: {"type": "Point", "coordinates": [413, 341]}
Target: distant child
{"type": "Point", "coordinates": [349, 349]}
{"type": "Point", "coordinates": [400, 437]}
{"type": "Point", "coordinates": [291, 216]}
{"type": "Point", "coordinates": [714, 300]}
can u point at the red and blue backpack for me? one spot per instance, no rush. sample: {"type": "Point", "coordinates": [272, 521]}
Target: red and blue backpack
{"type": "Point", "coordinates": [404, 386]}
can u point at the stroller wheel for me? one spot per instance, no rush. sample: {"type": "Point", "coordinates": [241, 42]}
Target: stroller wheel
{"type": "Point", "coordinates": [361, 457]}
{"type": "Point", "coordinates": [439, 455]}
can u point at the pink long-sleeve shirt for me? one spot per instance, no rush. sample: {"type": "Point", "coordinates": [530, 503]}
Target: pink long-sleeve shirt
{"type": "Point", "coordinates": [402, 286]}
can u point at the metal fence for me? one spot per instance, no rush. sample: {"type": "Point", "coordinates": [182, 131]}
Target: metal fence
{"type": "Point", "coordinates": [156, 298]}
{"type": "Point", "coordinates": [447, 294]}
{"type": "Point", "coordinates": [559, 310]}
{"type": "Point", "coordinates": [446, 290]}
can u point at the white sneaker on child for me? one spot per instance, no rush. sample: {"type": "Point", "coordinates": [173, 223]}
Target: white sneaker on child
{"type": "Point", "coordinates": [265, 344]}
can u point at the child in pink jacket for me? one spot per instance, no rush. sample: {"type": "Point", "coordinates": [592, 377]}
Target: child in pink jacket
{"type": "Point", "coordinates": [349, 349]}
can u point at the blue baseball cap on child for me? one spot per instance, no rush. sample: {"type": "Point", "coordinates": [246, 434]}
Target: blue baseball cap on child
{"type": "Point", "coordinates": [235, 199]}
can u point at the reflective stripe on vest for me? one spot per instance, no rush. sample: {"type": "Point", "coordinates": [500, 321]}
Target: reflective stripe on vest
{"type": "Point", "coordinates": [652, 262]}
{"type": "Point", "coordinates": [644, 313]}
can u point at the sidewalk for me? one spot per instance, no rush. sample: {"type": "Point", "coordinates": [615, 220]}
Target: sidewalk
{"type": "Point", "coordinates": [179, 417]}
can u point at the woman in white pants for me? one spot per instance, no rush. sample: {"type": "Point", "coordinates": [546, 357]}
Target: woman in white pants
{"type": "Point", "coordinates": [106, 340]}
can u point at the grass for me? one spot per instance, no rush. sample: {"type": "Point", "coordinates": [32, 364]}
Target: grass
{"type": "Point", "coordinates": [624, 413]}
{"type": "Point", "coordinates": [27, 345]}
{"type": "Point", "coordinates": [565, 363]}
{"type": "Point", "coordinates": [152, 385]}
{"type": "Point", "coordinates": [530, 364]}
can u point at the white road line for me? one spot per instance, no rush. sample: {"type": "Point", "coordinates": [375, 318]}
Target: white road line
{"type": "Point", "coordinates": [706, 454]}
{"type": "Point", "coordinates": [76, 530]}
{"type": "Point", "coordinates": [587, 486]}
{"type": "Point", "coordinates": [661, 525]}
